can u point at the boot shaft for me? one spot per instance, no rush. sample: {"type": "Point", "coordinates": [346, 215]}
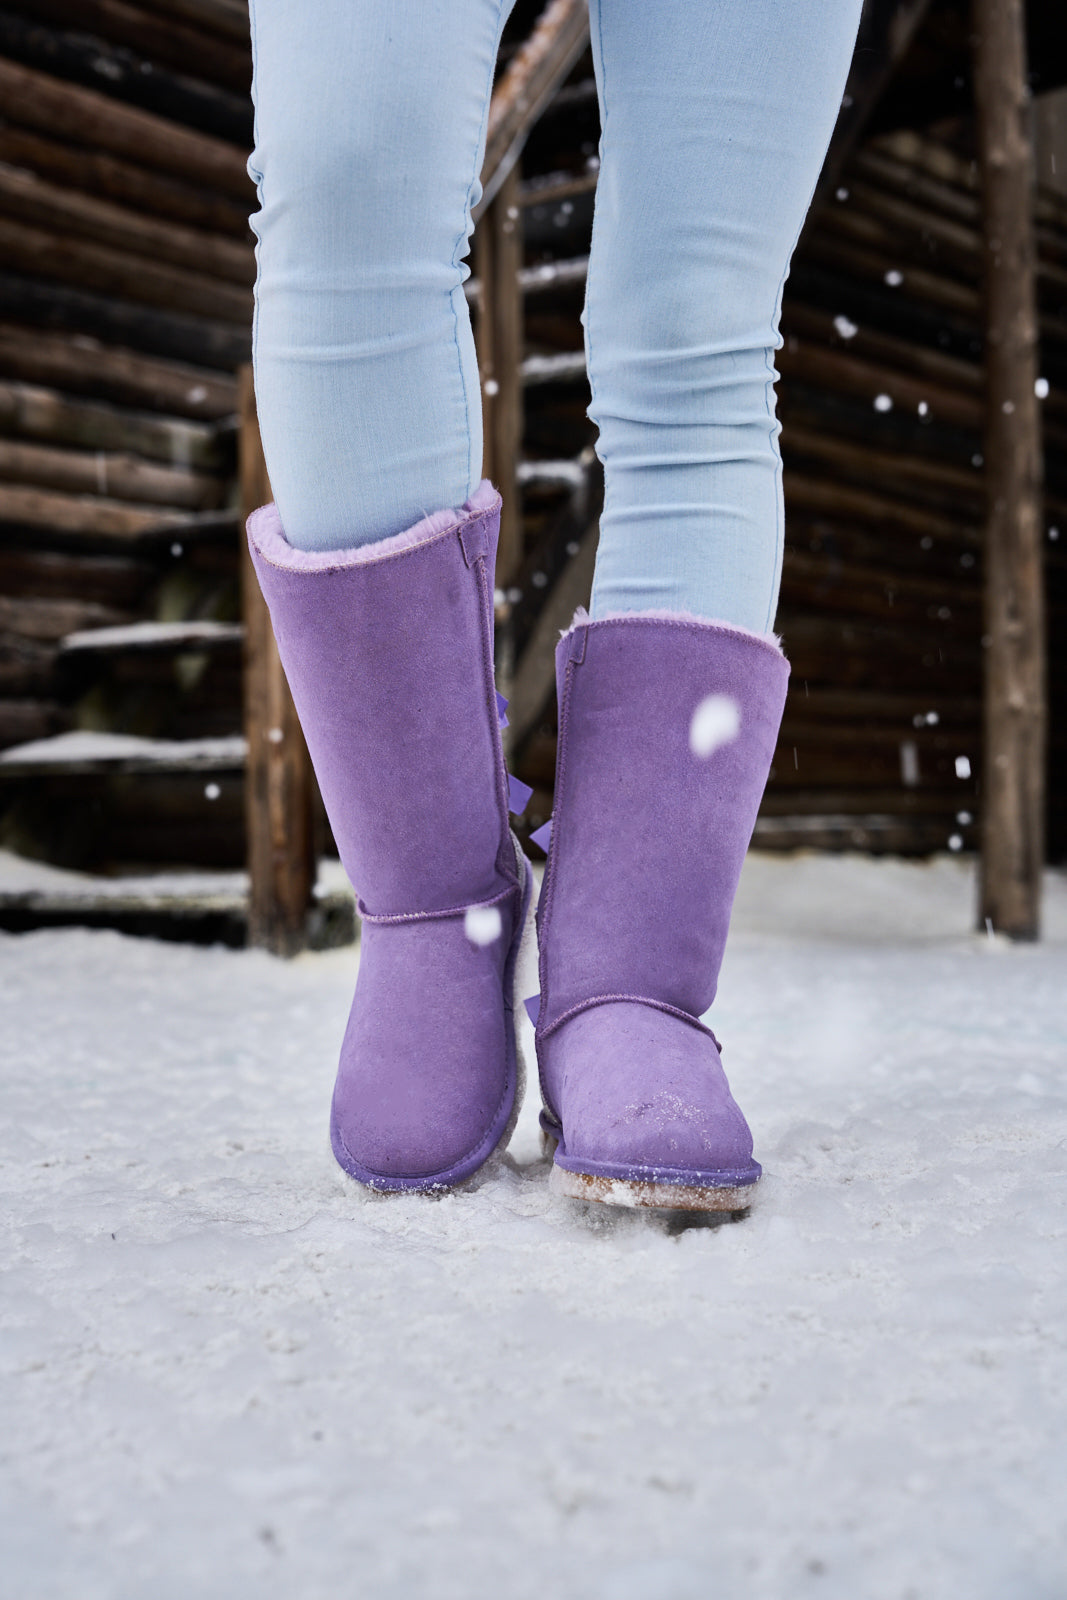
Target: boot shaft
{"type": "Point", "coordinates": [667, 726]}
{"type": "Point", "coordinates": [388, 650]}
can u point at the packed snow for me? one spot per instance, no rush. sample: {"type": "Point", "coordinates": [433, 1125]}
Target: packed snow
{"type": "Point", "coordinates": [227, 1371]}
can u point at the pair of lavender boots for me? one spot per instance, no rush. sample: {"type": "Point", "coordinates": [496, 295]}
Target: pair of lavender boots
{"type": "Point", "coordinates": [667, 727]}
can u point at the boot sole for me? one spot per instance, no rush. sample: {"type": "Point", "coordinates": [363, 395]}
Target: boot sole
{"type": "Point", "coordinates": [641, 1194]}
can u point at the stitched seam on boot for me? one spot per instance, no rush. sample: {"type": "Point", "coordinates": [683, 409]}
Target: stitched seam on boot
{"type": "Point", "coordinates": [630, 999]}
{"type": "Point", "coordinates": [505, 861]}
{"type": "Point", "coordinates": [682, 620]}
{"type": "Point", "coordinates": [356, 558]}
{"type": "Point", "coordinates": [381, 918]}
{"type": "Point", "coordinates": [549, 892]}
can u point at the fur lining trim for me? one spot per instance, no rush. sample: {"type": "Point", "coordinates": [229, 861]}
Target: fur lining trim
{"type": "Point", "coordinates": [582, 619]}
{"type": "Point", "coordinates": [267, 534]}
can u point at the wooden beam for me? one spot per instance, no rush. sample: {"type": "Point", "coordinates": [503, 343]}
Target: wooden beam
{"type": "Point", "coordinates": [41, 303]}
{"type": "Point", "coordinates": [1013, 787]}
{"type": "Point", "coordinates": [85, 515]}
{"type": "Point", "coordinates": [527, 84]}
{"type": "Point", "coordinates": [229, 18]}
{"type": "Point", "coordinates": [499, 254]}
{"type": "Point", "coordinates": [33, 199]}
{"type": "Point", "coordinates": [120, 475]}
{"type": "Point", "coordinates": [52, 253]}
{"type": "Point", "coordinates": [86, 117]}
{"type": "Point", "coordinates": [29, 412]}
{"type": "Point", "coordinates": [279, 784]}
{"type": "Point", "coordinates": [171, 42]}
{"type": "Point", "coordinates": [887, 28]}
{"type": "Point", "coordinates": [79, 57]}
{"type": "Point", "coordinates": [95, 172]}
{"type": "Point", "coordinates": [85, 366]}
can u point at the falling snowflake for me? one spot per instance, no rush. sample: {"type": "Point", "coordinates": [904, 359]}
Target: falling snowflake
{"type": "Point", "coordinates": [716, 721]}
{"type": "Point", "coordinates": [882, 402]}
{"type": "Point", "coordinates": [1041, 388]}
{"type": "Point", "coordinates": [963, 767]}
{"type": "Point", "coordinates": [844, 328]}
{"type": "Point", "coordinates": [482, 924]}
{"type": "Point", "coordinates": [894, 278]}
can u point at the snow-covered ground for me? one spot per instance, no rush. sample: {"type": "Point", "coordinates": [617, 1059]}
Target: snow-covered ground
{"type": "Point", "coordinates": [227, 1372]}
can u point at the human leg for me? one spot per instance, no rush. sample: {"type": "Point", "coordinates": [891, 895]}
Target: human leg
{"type": "Point", "coordinates": [716, 118]}
{"type": "Point", "coordinates": [370, 127]}
{"type": "Point", "coordinates": [370, 131]}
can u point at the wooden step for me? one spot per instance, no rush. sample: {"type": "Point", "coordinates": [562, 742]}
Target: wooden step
{"type": "Point", "coordinates": [84, 753]}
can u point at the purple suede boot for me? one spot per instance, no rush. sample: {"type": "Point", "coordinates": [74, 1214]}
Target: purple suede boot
{"type": "Point", "coordinates": [388, 649]}
{"type": "Point", "coordinates": [667, 726]}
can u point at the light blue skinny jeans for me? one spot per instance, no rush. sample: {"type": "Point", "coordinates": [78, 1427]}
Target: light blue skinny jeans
{"type": "Point", "coordinates": [370, 132]}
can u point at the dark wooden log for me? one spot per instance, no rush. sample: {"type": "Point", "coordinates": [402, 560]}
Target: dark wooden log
{"type": "Point", "coordinates": [44, 304]}
{"type": "Point", "coordinates": [117, 581]}
{"type": "Point", "coordinates": [873, 655]}
{"type": "Point", "coordinates": [528, 83]}
{"type": "Point", "coordinates": [279, 783]}
{"type": "Point", "coordinates": [936, 290]}
{"type": "Point", "coordinates": [554, 186]}
{"type": "Point", "coordinates": [29, 412]}
{"type": "Point", "coordinates": [534, 681]}
{"type": "Point", "coordinates": [873, 834]}
{"type": "Point", "coordinates": [883, 350]}
{"type": "Point", "coordinates": [86, 117]}
{"type": "Point", "coordinates": [166, 40]}
{"type": "Point", "coordinates": [843, 545]}
{"type": "Point", "coordinates": [803, 492]}
{"type": "Point", "coordinates": [87, 515]}
{"type": "Point", "coordinates": [863, 708]}
{"type": "Point", "coordinates": [1013, 787]}
{"type": "Point", "coordinates": [112, 475]}
{"type": "Point", "coordinates": [94, 172]}
{"type": "Point", "coordinates": [859, 799]}
{"type": "Point", "coordinates": [117, 272]}
{"type": "Point", "coordinates": [27, 669]}
{"type": "Point", "coordinates": [23, 720]}
{"type": "Point", "coordinates": [227, 18]}
{"type": "Point", "coordinates": [893, 596]}
{"type": "Point", "coordinates": [34, 200]}
{"type": "Point", "coordinates": [939, 485]}
{"type": "Point", "coordinates": [903, 231]}
{"type": "Point", "coordinates": [47, 621]}
{"type": "Point", "coordinates": [498, 243]}
{"type": "Point", "coordinates": [870, 303]}
{"type": "Point", "coordinates": [82, 58]}
{"type": "Point", "coordinates": [833, 368]}
{"type": "Point", "coordinates": [946, 165]}
{"type": "Point", "coordinates": [84, 366]}
{"type": "Point", "coordinates": [887, 29]}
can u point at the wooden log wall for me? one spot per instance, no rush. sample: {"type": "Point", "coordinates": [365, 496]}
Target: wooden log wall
{"type": "Point", "coordinates": [126, 272]}
{"type": "Point", "coordinates": [125, 296]}
{"type": "Point", "coordinates": [881, 401]}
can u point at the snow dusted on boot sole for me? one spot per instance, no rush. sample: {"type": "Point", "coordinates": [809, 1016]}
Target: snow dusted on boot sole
{"type": "Point", "coordinates": [229, 1372]}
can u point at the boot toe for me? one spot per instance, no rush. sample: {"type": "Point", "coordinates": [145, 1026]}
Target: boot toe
{"type": "Point", "coordinates": [427, 1080]}
{"type": "Point", "coordinates": [642, 1095]}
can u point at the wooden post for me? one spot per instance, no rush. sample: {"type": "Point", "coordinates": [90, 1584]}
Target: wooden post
{"type": "Point", "coordinates": [499, 261]}
{"type": "Point", "coordinates": [279, 783]}
{"type": "Point", "coordinates": [1015, 715]}
{"type": "Point", "coordinates": [527, 84]}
